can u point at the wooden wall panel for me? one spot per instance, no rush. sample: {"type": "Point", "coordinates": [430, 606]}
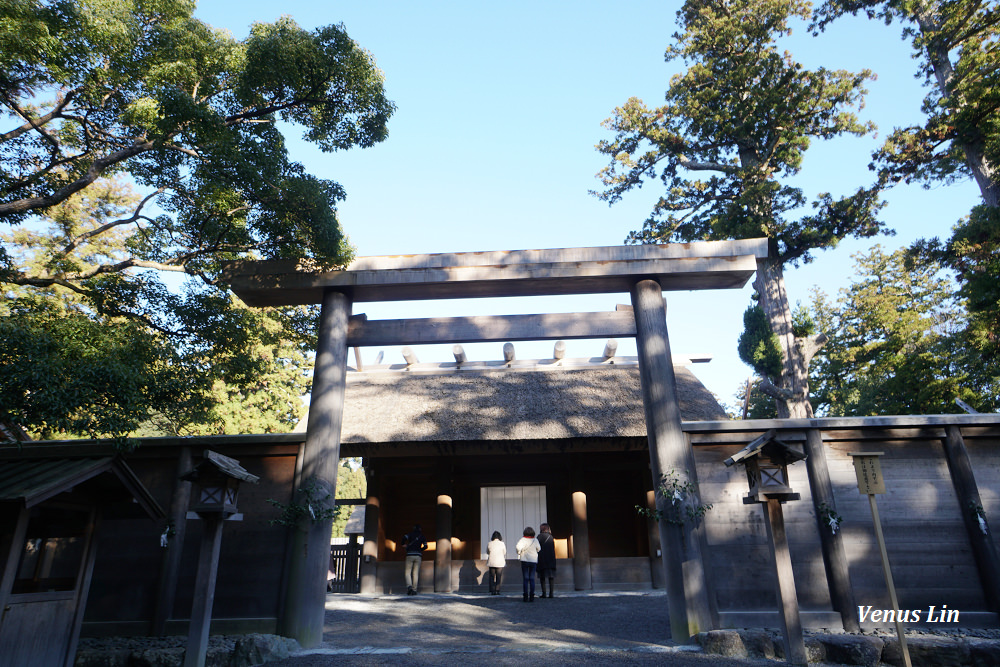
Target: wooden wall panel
{"type": "Point", "coordinates": [927, 542]}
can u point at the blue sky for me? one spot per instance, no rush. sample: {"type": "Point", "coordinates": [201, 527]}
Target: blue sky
{"type": "Point", "coordinates": [492, 148]}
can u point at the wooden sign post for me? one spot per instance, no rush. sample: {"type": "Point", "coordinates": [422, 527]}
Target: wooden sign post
{"type": "Point", "coordinates": [869, 471]}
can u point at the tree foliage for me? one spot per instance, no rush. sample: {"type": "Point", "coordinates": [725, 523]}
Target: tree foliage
{"type": "Point", "coordinates": [957, 45]}
{"type": "Point", "coordinates": [733, 129]}
{"type": "Point", "coordinates": [103, 97]}
{"type": "Point", "coordinates": [896, 345]}
{"type": "Point", "coordinates": [351, 483]}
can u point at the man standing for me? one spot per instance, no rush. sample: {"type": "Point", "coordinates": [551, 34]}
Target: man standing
{"type": "Point", "coordinates": [416, 544]}
{"type": "Point", "coordinates": [546, 558]}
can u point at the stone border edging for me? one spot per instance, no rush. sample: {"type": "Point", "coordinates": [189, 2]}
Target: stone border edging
{"type": "Point", "coordinates": [223, 651]}
{"type": "Point", "coordinates": [864, 650]}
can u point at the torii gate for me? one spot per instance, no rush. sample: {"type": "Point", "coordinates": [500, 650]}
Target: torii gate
{"type": "Point", "coordinates": [643, 271]}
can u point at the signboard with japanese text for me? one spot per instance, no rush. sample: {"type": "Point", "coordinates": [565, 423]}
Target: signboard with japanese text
{"type": "Point", "coordinates": [869, 472]}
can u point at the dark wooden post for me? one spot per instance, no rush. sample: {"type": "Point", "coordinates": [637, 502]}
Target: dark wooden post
{"type": "Point", "coordinates": [305, 605]}
{"type": "Point", "coordinates": [788, 603]}
{"type": "Point", "coordinates": [351, 576]}
{"type": "Point", "coordinates": [967, 492]}
{"type": "Point", "coordinates": [684, 570]}
{"type": "Point", "coordinates": [582, 579]}
{"type": "Point", "coordinates": [653, 530]}
{"type": "Point", "coordinates": [832, 544]}
{"type": "Point", "coordinates": [442, 550]}
{"type": "Point", "coordinates": [171, 564]}
{"type": "Point", "coordinates": [204, 591]}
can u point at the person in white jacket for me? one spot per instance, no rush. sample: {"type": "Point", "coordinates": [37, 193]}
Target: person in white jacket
{"type": "Point", "coordinates": [496, 561]}
{"type": "Point", "coordinates": [527, 552]}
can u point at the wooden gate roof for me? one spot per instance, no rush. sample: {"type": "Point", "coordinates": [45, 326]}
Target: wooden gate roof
{"type": "Point", "coordinates": [34, 481]}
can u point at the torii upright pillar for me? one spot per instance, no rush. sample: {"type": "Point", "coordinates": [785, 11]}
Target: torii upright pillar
{"type": "Point", "coordinates": [687, 595]}
{"type": "Point", "coordinates": [305, 602]}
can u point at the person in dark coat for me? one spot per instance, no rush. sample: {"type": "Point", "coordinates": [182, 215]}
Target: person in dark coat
{"type": "Point", "coordinates": [546, 558]}
{"type": "Point", "coordinates": [415, 544]}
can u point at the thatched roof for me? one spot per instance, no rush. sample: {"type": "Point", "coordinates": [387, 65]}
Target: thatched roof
{"type": "Point", "coordinates": [504, 404]}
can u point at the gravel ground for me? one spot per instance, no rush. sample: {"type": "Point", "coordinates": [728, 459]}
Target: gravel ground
{"type": "Point", "coordinates": [614, 628]}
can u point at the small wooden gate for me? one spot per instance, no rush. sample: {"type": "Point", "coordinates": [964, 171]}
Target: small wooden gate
{"type": "Point", "coordinates": [344, 567]}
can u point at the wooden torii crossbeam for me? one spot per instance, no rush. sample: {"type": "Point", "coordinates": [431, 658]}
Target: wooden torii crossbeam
{"type": "Point", "coordinates": [642, 271]}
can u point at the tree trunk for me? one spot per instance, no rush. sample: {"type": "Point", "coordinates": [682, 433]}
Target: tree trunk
{"type": "Point", "coordinates": [793, 384]}
{"type": "Point", "coordinates": [972, 143]}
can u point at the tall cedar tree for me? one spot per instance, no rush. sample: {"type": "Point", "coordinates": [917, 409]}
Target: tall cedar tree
{"type": "Point", "coordinates": [733, 125]}
{"type": "Point", "coordinates": [957, 45]}
{"type": "Point", "coordinates": [896, 346]}
{"type": "Point", "coordinates": [98, 90]}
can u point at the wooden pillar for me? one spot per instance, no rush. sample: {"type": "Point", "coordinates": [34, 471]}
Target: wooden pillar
{"type": "Point", "coordinates": [984, 549]}
{"type": "Point", "coordinates": [204, 591]}
{"type": "Point", "coordinates": [442, 550]}
{"type": "Point", "coordinates": [171, 564]}
{"type": "Point", "coordinates": [684, 570]}
{"type": "Point", "coordinates": [655, 551]}
{"type": "Point", "coordinates": [90, 556]}
{"type": "Point", "coordinates": [369, 550]}
{"type": "Point", "coordinates": [580, 539]}
{"type": "Point", "coordinates": [788, 603]}
{"type": "Point", "coordinates": [305, 605]}
{"type": "Point", "coordinates": [582, 580]}
{"type": "Point", "coordinates": [832, 544]}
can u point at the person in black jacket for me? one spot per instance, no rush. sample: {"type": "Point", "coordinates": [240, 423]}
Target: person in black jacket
{"type": "Point", "coordinates": [546, 558]}
{"type": "Point", "coordinates": [415, 544]}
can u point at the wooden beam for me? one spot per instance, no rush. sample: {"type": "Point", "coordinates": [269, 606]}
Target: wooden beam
{"type": "Point", "coordinates": [610, 348]}
{"type": "Point", "coordinates": [831, 542]}
{"type": "Point", "coordinates": [171, 564]}
{"type": "Point", "coordinates": [459, 353]}
{"type": "Point", "coordinates": [970, 505]}
{"type": "Point", "coordinates": [488, 329]}
{"type": "Point", "coordinates": [410, 356]}
{"type": "Point", "coordinates": [602, 270]}
{"type": "Point", "coordinates": [788, 603]}
{"type": "Point", "coordinates": [204, 592]}
{"type": "Point", "coordinates": [559, 349]}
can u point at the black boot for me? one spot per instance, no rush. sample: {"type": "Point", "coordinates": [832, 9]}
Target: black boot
{"type": "Point", "coordinates": [531, 598]}
{"type": "Point", "coordinates": [525, 597]}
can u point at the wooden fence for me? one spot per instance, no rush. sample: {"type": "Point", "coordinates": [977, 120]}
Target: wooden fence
{"type": "Point", "coordinates": [344, 568]}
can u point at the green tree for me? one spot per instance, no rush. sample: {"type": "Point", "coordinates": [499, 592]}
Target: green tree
{"type": "Point", "coordinates": [734, 125]}
{"type": "Point", "coordinates": [957, 45]}
{"type": "Point", "coordinates": [760, 405]}
{"type": "Point", "coordinates": [955, 42]}
{"type": "Point", "coordinates": [99, 93]}
{"type": "Point", "coordinates": [896, 343]}
{"type": "Point", "coordinates": [64, 372]}
{"type": "Point", "coordinates": [245, 371]}
{"type": "Point", "coordinates": [351, 483]}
